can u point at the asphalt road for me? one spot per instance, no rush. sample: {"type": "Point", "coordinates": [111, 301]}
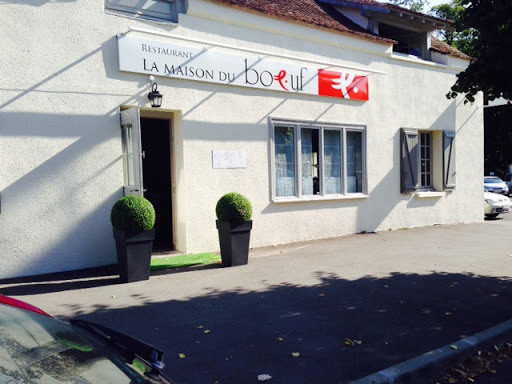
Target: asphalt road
{"type": "Point", "coordinates": [328, 311]}
{"type": "Point", "coordinates": [502, 368]}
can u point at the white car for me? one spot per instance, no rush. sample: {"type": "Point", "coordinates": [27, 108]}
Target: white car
{"type": "Point", "coordinates": [495, 204]}
{"type": "Point", "coordinates": [496, 185]}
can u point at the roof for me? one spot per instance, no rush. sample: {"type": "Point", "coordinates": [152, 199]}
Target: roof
{"type": "Point", "coordinates": [446, 49]}
{"type": "Point", "coordinates": [310, 12]}
{"type": "Point", "coordinates": [373, 5]}
{"type": "Point", "coordinates": [322, 14]}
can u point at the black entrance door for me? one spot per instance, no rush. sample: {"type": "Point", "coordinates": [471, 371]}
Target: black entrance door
{"type": "Point", "coordinates": [156, 171]}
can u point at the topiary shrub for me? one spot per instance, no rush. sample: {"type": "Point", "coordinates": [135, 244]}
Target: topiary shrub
{"type": "Point", "coordinates": [133, 213]}
{"type": "Point", "coordinates": [234, 207]}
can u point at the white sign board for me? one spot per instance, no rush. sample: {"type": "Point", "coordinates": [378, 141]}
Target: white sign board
{"type": "Point", "coordinates": [209, 65]}
{"type": "Point", "coordinates": [229, 159]}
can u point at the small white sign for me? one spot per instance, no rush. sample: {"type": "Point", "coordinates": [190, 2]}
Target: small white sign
{"type": "Point", "coordinates": [227, 159]}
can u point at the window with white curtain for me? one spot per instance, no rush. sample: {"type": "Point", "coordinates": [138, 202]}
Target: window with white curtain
{"type": "Point", "coordinates": [312, 160]}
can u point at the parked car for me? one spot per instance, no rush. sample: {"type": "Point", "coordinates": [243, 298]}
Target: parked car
{"type": "Point", "coordinates": [494, 204]}
{"type": "Point", "coordinates": [508, 181]}
{"type": "Point", "coordinates": [495, 184]}
{"type": "Point", "coordinates": [36, 348]}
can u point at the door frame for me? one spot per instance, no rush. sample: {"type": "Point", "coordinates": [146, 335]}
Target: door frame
{"type": "Point", "coordinates": [168, 115]}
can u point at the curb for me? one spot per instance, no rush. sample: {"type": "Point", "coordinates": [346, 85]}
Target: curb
{"type": "Point", "coordinates": [424, 368]}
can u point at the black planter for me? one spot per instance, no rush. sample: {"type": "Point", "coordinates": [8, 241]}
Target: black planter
{"type": "Point", "coordinates": [134, 254]}
{"type": "Point", "coordinates": [234, 242]}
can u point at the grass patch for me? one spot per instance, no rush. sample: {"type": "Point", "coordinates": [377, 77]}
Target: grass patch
{"type": "Point", "coordinates": [184, 261]}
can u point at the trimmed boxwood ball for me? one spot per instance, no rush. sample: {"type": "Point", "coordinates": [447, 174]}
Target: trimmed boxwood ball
{"type": "Point", "coordinates": [133, 213]}
{"type": "Point", "coordinates": [234, 207]}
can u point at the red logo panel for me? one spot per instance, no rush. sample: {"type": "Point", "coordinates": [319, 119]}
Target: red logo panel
{"type": "Point", "coordinates": [343, 85]}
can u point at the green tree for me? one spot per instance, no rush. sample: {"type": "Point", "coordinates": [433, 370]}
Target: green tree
{"type": "Point", "coordinates": [489, 25]}
{"type": "Point", "coordinates": [462, 40]}
{"type": "Point", "coordinates": [413, 5]}
{"type": "Point", "coordinates": [497, 139]}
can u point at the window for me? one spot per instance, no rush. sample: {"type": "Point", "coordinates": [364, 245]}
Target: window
{"type": "Point", "coordinates": [408, 41]}
{"type": "Point", "coordinates": [427, 160]}
{"type": "Point", "coordinates": [157, 10]}
{"type": "Point", "coordinates": [317, 160]}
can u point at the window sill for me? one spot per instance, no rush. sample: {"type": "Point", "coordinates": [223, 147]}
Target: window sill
{"type": "Point", "coordinates": [429, 194]}
{"type": "Point", "coordinates": [412, 59]}
{"type": "Point", "coordinates": [284, 200]}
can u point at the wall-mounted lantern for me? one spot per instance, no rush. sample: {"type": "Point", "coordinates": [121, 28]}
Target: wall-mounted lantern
{"type": "Point", "coordinates": [155, 97]}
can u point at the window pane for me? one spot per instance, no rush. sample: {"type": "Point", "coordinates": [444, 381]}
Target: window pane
{"type": "Point", "coordinates": [426, 159]}
{"type": "Point", "coordinates": [130, 165]}
{"type": "Point", "coordinates": [284, 138]}
{"type": "Point", "coordinates": [309, 161]}
{"type": "Point", "coordinates": [332, 162]}
{"type": "Point", "coordinates": [354, 162]}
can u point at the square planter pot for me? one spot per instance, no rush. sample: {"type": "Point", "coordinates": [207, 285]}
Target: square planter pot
{"type": "Point", "coordinates": [134, 254]}
{"type": "Point", "coordinates": [234, 242]}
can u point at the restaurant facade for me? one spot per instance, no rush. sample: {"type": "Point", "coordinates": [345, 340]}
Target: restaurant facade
{"type": "Point", "coordinates": [330, 116]}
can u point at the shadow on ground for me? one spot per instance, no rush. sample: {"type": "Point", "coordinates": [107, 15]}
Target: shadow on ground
{"type": "Point", "coordinates": [60, 281]}
{"type": "Point", "coordinates": [233, 336]}
{"type": "Point", "coordinates": [81, 279]}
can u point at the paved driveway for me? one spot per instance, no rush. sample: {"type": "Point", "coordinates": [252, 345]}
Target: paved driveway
{"type": "Point", "coordinates": [349, 306]}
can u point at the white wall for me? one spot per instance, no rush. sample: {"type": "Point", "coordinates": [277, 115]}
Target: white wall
{"type": "Point", "coordinates": [60, 149]}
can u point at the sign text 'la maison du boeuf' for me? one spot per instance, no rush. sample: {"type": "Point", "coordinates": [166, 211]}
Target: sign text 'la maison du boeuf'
{"type": "Point", "coordinates": [208, 65]}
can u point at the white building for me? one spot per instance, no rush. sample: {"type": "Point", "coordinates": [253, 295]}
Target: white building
{"type": "Point", "coordinates": [330, 116]}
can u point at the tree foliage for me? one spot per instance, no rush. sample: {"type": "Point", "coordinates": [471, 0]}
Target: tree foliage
{"type": "Point", "coordinates": [488, 28]}
{"type": "Point", "coordinates": [413, 5]}
{"type": "Point", "coordinates": [497, 139]}
{"type": "Point", "coordinates": [462, 40]}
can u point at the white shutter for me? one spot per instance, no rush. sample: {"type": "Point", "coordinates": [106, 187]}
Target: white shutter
{"type": "Point", "coordinates": [132, 152]}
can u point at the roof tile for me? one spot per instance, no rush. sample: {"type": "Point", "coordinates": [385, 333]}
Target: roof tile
{"type": "Point", "coordinates": [322, 15]}
{"type": "Point", "coordinates": [441, 47]}
{"type": "Point", "coordinates": [306, 11]}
